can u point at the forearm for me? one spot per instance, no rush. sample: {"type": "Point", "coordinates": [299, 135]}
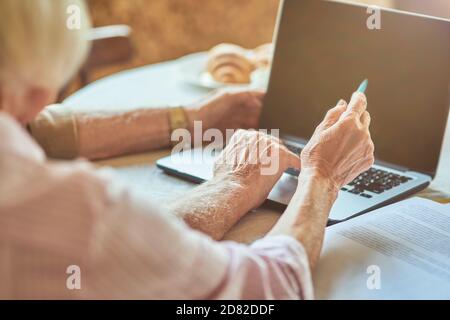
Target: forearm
{"type": "Point", "coordinates": [214, 207]}
{"type": "Point", "coordinates": [307, 214]}
{"type": "Point", "coordinates": [63, 133]}
{"type": "Point", "coordinates": [104, 135]}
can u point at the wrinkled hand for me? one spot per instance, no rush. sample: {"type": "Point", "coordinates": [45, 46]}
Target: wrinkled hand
{"type": "Point", "coordinates": [229, 109]}
{"type": "Point", "coordinates": [341, 147]}
{"type": "Point", "coordinates": [256, 161]}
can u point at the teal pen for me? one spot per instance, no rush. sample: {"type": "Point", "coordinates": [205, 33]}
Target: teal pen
{"type": "Point", "coordinates": [363, 86]}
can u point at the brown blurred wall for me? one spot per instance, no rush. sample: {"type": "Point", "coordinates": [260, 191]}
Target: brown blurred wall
{"type": "Point", "coordinates": [167, 29]}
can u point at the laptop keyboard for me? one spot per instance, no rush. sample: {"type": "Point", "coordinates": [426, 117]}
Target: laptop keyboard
{"type": "Point", "coordinates": [375, 181]}
{"type": "Point", "coordinates": [368, 184]}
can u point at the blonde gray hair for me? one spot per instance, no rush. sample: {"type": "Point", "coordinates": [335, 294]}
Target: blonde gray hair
{"type": "Point", "coordinates": [37, 46]}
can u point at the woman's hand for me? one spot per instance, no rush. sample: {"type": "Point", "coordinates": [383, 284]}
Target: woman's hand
{"type": "Point", "coordinates": [228, 109]}
{"type": "Point", "coordinates": [256, 161]}
{"type": "Point", "coordinates": [341, 147]}
{"type": "Point", "coordinates": [339, 150]}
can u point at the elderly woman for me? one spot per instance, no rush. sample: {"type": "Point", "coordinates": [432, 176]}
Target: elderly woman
{"type": "Point", "coordinates": [66, 217]}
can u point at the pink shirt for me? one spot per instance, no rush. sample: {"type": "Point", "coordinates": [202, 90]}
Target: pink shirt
{"type": "Point", "coordinates": [56, 215]}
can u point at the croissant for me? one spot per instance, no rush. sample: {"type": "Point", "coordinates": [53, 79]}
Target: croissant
{"type": "Point", "coordinates": [262, 55]}
{"type": "Point", "coordinates": [230, 63]}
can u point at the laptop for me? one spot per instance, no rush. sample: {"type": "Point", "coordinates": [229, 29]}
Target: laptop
{"type": "Point", "coordinates": [324, 49]}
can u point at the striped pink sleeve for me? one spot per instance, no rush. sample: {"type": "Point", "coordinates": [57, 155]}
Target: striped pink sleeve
{"type": "Point", "coordinates": [54, 216]}
{"type": "Point", "coordinates": [162, 258]}
{"type": "Point", "coordinates": [271, 268]}
{"type": "Point", "coordinates": [128, 248]}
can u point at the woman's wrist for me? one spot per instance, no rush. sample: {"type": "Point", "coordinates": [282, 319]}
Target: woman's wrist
{"type": "Point", "coordinates": [306, 217]}
{"type": "Point", "coordinates": [234, 183]}
{"type": "Point", "coordinates": [311, 203]}
{"type": "Point", "coordinates": [317, 176]}
{"type": "Point", "coordinates": [235, 190]}
{"type": "Point", "coordinates": [192, 115]}
{"type": "Point", "coordinates": [214, 207]}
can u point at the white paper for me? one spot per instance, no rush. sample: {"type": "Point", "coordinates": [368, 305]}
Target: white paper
{"type": "Point", "coordinates": [402, 250]}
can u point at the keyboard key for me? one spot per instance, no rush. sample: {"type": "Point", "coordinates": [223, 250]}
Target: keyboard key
{"type": "Point", "coordinates": [377, 181]}
{"type": "Point", "coordinates": [373, 180]}
{"type": "Point", "coordinates": [293, 172]}
{"type": "Point", "coordinates": [355, 191]}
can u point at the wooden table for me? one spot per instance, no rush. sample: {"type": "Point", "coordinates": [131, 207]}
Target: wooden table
{"type": "Point", "coordinates": [160, 85]}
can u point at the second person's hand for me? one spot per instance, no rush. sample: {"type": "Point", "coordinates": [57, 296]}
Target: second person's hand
{"type": "Point", "coordinates": [228, 109]}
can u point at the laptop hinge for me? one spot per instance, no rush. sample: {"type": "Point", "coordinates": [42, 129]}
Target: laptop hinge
{"type": "Point", "coordinates": [288, 139]}
{"type": "Point", "coordinates": [392, 166]}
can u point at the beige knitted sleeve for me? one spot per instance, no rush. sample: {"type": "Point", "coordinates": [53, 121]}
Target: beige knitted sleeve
{"type": "Point", "coordinates": [55, 130]}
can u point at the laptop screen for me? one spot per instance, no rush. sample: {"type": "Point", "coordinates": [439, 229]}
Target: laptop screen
{"type": "Point", "coordinates": [325, 49]}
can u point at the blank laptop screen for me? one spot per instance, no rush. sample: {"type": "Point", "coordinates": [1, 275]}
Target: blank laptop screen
{"type": "Point", "coordinates": [325, 49]}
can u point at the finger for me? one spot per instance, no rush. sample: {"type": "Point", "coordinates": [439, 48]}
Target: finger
{"type": "Point", "coordinates": [334, 114]}
{"type": "Point", "coordinates": [267, 137]}
{"type": "Point", "coordinates": [259, 94]}
{"type": "Point", "coordinates": [252, 101]}
{"type": "Point", "coordinates": [244, 148]}
{"type": "Point", "coordinates": [357, 105]}
{"type": "Point", "coordinates": [274, 139]}
{"type": "Point", "coordinates": [293, 160]}
{"type": "Point", "coordinates": [254, 105]}
{"type": "Point", "coordinates": [234, 138]}
{"type": "Point", "coordinates": [365, 119]}
{"type": "Point", "coordinates": [249, 119]}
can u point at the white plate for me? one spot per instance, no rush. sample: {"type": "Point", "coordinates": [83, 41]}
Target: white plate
{"type": "Point", "coordinates": [192, 69]}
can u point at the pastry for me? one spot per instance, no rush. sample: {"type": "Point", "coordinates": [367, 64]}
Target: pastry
{"type": "Point", "coordinates": [229, 63]}
{"type": "Point", "coordinates": [262, 56]}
